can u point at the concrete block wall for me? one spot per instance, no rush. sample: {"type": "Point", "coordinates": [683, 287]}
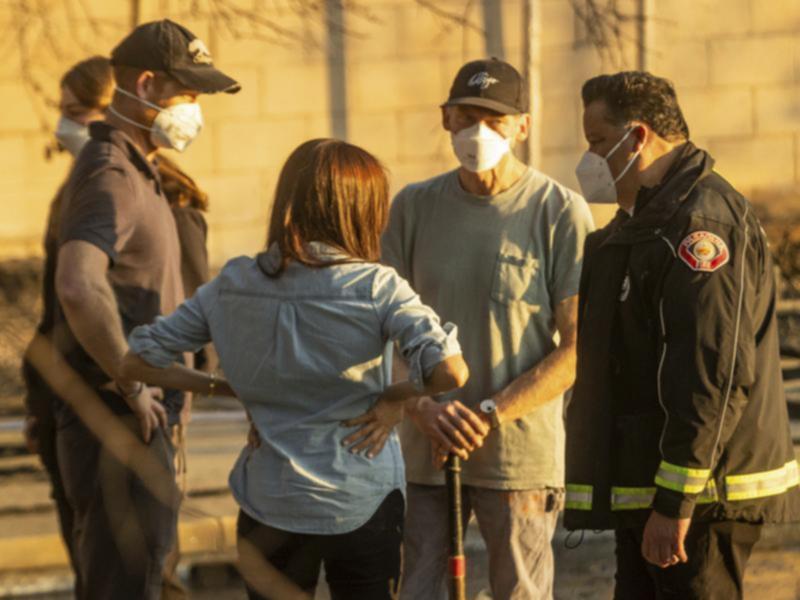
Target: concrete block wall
{"type": "Point", "coordinates": [736, 64]}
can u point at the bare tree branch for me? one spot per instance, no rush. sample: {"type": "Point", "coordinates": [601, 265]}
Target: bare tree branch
{"type": "Point", "coordinates": [452, 17]}
{"type": "Point", "coordinates": [604, 25]}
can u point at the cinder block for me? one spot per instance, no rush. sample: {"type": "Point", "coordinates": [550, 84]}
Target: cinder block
{"type": "Point", "coordinates": [776, 16]}
{"type": "Point", "coordinates": [421, 134]}
{"type": "Point", "coordinates": [305, 41]}
{"type": "Point", "coordinates": [320, 126]}
{"type": "Point", "coordinates": [244, 104]}
{"type": "Point", "coordinates": [26, 203]}
{"type": "Point", "coordinates": [118, 11]}
{"type": "Point", "coordinates": [558, 23]}
{"type": "Point", "coordinates": [376, 35]}
{"type": "Point", "coordinates": [675, 19]}
{"type": "Point", "coordinates": [562, 126]}
{"type": "Point", "coordinates": [718, 112]}
{"type": "Point", "coordinates": [296, 90]}
{"type": "Point", "coordinates": [16, 154]}
{"type": "Point", "coordinates": [19, 114]}
{"type": "Point", "coordinates": [237, 199]}
{"type": "Point", "coordinates": [752, 61]}
{"type": "Point", "coordinates": [259, 144]}
{"type": "Point", "coordinates": [778, 109]}
{"type": "Point", "coordinates": [394, 84]}
{"type": "Point", "coordinates": [566, 69]}
{"type": "Point", "coordinates": [684, 62]}
{"type": "Point", "coordinates": [560, 165]}
{"type": "Point", "coordinates": [422, 32]}
{"type": "Point", "coordinates": [228, 242]}
{"type": "Point", "coordinates": [377, 133]}
{"type": "Point", "coordinates": [762, 162]}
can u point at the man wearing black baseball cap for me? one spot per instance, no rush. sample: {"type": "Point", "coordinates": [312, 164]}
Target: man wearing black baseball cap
{"type": "Point", "coordinates": [118, 266]}
{"type": "Point", "coordinates": [495, 247]}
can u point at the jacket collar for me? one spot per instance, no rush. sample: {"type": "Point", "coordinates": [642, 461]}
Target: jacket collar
{"type": "Point", "coordinates": [656, 206]}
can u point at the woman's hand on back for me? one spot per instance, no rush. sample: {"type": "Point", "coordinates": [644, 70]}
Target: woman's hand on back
{"type": "Point", "coordinates": [374, 426]}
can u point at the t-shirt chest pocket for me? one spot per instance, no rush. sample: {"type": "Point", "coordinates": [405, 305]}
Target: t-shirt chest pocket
{"type": "Point", "coordinates": [518, 279]}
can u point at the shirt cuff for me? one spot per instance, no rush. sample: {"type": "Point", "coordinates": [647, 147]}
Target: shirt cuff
{"type": "Point", "coordinates": [144, 345]}
{"type": "Point", "coordinates": [673, 504]}
{"type": "Point", "coordinates": [426, 356]}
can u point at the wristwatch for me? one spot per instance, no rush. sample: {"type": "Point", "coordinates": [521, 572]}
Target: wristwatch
{"type": "Point", "coordinates": [489, 408]}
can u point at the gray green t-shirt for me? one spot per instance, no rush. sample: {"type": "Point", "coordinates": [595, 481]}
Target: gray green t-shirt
{"type": "Point", "coordinates": [496, 266]}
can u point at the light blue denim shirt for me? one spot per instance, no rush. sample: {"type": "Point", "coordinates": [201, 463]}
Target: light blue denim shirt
{"type": "Point", "coordinates": [304, 352]}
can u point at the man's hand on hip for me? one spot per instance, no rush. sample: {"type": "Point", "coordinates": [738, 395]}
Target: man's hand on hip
{"type": "Point", "coordinates": [662, 543]}
{"type": "Point", "coordinates": [451, 425]}
{"type": "Point", "coordinates": [145, 404]}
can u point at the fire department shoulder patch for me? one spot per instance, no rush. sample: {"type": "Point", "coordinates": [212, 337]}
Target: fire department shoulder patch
{"type": "Point", "coordinates": [704, 251]}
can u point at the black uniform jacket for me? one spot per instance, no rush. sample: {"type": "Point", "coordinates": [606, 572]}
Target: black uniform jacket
{"type": "Point", "coordinates": [679, 402]}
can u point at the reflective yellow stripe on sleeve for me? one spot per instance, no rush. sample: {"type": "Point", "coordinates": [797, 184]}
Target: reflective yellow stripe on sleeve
{"type": "Point", "coordinates": [633, 498]}
{"type": "Point", "coordinates": [578, 497]}
{"type": "Point", "coordinates": [682, 479]}
{"type": "Point", "coordinates": [759, 485]}
{"type": "Point", "coordinates": [709, 493]}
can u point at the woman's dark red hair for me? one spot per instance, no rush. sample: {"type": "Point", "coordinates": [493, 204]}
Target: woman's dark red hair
{"type": "Point", "coordinates": [332, 192]}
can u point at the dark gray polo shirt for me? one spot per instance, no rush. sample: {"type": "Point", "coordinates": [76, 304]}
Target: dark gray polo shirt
{"type": "Point", "coordinates": [113, 200]}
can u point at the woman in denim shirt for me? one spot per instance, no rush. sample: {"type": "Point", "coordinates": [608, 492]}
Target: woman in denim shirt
{"type": "Point", "coordinates": [302, 332]}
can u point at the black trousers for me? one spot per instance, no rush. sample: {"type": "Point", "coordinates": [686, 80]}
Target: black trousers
{"type": "Point", "coordinates": [361, 565]}
{"type": "Point", "coordinates": [718, 553]}
{"type": "Point", "coordinates": [39, 401]}
{"type": "Point", "coordinates": [123, 528]}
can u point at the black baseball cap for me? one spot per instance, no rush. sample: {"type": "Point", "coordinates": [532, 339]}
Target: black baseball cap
{"type": "Point", "coordinates": [166, 46]}
{"type": "Point", "coordinates": [490, 83]}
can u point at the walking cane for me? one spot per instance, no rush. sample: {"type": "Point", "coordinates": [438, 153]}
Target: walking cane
{"type": "Point", "coordinates": [457, 566]}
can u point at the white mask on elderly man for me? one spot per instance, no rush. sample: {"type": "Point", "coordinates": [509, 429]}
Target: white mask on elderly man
{"type": "Point", "coordinates": [72, 136]}
{"type": "Point", "coordinates": [594, 175]}
{"type": "Point", "coordinates": [479, 147]}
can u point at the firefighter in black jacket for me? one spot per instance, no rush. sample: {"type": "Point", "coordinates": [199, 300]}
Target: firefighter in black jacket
{"type": "Point", "coordinates": [677, 432]}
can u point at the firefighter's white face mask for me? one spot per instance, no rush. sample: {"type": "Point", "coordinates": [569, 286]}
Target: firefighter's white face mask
{"type": "Point", "coordinates": [594, 175]}
{"type": "Point", "coordinates": [479, 147]}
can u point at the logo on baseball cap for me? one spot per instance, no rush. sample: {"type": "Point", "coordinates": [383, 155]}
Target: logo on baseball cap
{"type": "Point", "coordinates": [166, 46]}
{"type": "Point", "coordinates": [490, 83]}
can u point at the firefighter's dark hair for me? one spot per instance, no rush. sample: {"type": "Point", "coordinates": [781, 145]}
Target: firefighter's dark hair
{"type": "Point", "coordinates": [640, 96]}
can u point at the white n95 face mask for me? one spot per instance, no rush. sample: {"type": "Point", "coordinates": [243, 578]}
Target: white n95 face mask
{"type": "Point", "coordinates": [174, 127]}
{"type": "Point", "coordinates": [594, 175]}
{"type": "Point", "coordinates": [71, 135]}
{"type": "Point", "coordinates": [479, 147]}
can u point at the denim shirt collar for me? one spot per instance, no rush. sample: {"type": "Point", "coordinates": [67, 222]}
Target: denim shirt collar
{"type": "Point", "coordinates": [270, 259]}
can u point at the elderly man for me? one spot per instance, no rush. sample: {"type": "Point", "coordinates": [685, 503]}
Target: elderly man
{"type": "Point", "coordinates": [677, 432]}
{"type": "Point", "coordinates": [495, 247]}
{"type": "Point", "coordinates": [118, 266]}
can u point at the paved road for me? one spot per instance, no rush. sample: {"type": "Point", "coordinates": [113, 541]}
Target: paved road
{"type": "Point", "coordinates": [214, 441]}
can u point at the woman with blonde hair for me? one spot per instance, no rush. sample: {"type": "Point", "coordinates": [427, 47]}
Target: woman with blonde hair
{"type": "Point", "coordinates": [302, 331]}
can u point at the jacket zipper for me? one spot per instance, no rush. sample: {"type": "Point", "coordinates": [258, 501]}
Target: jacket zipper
{"type": "Point", "coordinates": [736, 329]}
{"type": "Point", "coordinates": [660, 369]}
{"type": "Point", "coordinates": [663, 356]}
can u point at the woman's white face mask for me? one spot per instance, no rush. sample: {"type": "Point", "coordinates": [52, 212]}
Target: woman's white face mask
{"type": "Point", "coordinates": [71, 135]}
{"type": "Point", "coordinates": [479, 147]}
{"type": "Point", "coordinates": [594, 175]}
{"type": "Point", "coordinates": [174, 127]}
